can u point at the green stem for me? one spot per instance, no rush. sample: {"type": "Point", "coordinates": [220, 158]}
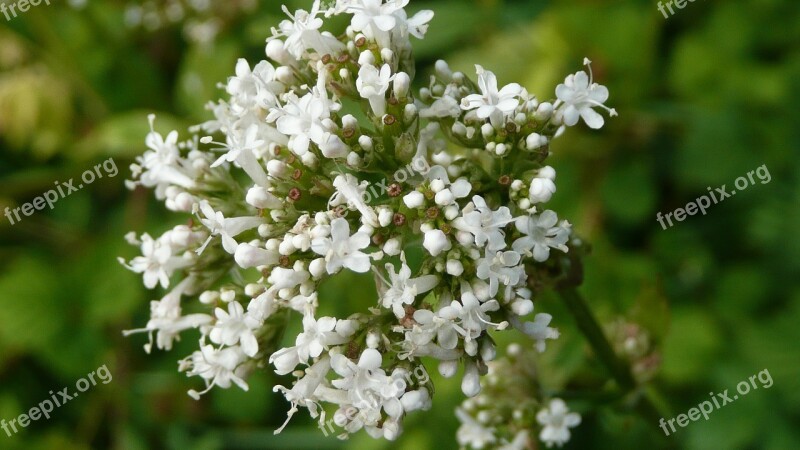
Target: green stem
{"type": "Point", "coordinates": [594, 334]}
{"type": "Point", "coordinates": [618, 369]}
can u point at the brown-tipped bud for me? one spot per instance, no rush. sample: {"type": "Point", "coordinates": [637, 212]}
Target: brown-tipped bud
{"type": "Point", "coordinates": [511, 127]}
{"type": "Point", "coordinates": [348, 133]}
{"type": "Point", "coordinates": [343, 58]}
{"type": "Point", "coordinates": [378, 239]}
{"type": "Point", "coordinates": [432, 212]}
{"type": "Point", "coordinates": [395, 190]}
{"type": "Point", "coordinates": [504, 180]}
{"type": "Point", "coordinates": [326, 58]}
{"type": "Point", "coordinates": [389, 119]}
{"type": "Point", "coordinates": [297, 174]}
{"type": "Point", "coordinates": [284, 261]}
{"type": "Point", "coordinates": [399, 220]}
{"type": "Point", "coordinates": [360, 42]}
{"type": "Point", "coordinates": [446, 228]}
{"type": "Point", "coordinates": [294, 194]}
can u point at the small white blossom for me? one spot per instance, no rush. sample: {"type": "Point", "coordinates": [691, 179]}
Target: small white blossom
{"type": "Point", "coordinates": [372, 85]}
{"type": "Point", "coordinates": [234, 326]}
{"type": "Point", "coordinates": [579, 94]}
{"type": "Point", "coordinates": [341, 249]}
{"type": "Point", "coordinates": [491, 103]}
{"type": "Point", "coordinates": [557, 420]}
{"type": "Point", "coordinates": [541, 234]}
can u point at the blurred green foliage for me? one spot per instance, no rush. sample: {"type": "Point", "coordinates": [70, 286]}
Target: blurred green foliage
{"type": "Point", "coordinates": [704, 97]}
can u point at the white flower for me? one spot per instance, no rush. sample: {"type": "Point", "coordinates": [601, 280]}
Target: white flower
{"type": "Point", "coordinates": [372, 85]}
{"type": "Point", "coordinates": [234, 326]}
{"type": "Point", "coordinates": [156, 263]}
{"type": "Point", "coordinates": [349, 191]}
{"type": "Point", "coordinates": [470, 317]}
{"type": "Point", "coordinates": [375, 18]}
{"type": "Point", "coordinates": [303, 392]}
{"type": "Point", "coordinates": [402, 289]}
{"type": "Point", "coordinates": [430, 326]}
{"type": "Point", "coordinates": [491, 103]}
{"type": "Point", "coordinates": [341, 249]}
{"type": "Point", "coordinates": [579, 95]}
{"type": "Point", "coordinates": [543, 186]}
{"type": "Point", "coordinates": [557, 420]}
{"type": "Point", "coordinates": [241, 149]}
{"type": "Point", "coordinates": [166, 318]}
{"type": "Point", "coordinates": [540, 330]}
{"type": "Point", "coordinates": [226, 228]}
{"type": "Point", "coordinates": [302, 32]}
{"type": "Point", "coordinates": [441, 107]}
{"type": "Point", "coordinates": [216, 367]}
{"type": "Point", "coordinates": [162, 164]}
{"type": "Point", "coordinates": [500, 268]}
{"type": "Point", "coordinates": [447, 193]}
{"type": "Point", "coordinates": [417, 25]}
{"type": "Point", "coordinates": [541, 234]}
{"type": "Point", "coordinates": [472, 433]}
{"type": "Point", "coordinates": [436, 242]}
{"type": "Point", "coordinates": [256, 88]}
{"type": "Point", "coordinates": [521, 442]}
{"type": "Point", "coordinates": [316, 336]}
{"type": "Point", "coordinates": [306, 119]}
{"type": "Point", "coordinates": [484, 224]}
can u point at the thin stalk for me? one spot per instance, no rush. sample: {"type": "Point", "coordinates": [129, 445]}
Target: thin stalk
{"type": "Point", "coordinates": [618, 369]}
{"type": "Point", "coordinates": [597, 339]}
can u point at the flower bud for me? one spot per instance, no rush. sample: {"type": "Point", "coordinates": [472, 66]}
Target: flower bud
{"type": "Point", "coordinates": [317, 267]}
{"type": "Point", "coordinates": [365, 142]}
{"type": "Point", "coordinates": [544, 111]}
{"type": "Point", "coordinates": [443, 70]}
{"type": "Point", "coordinates": [248, 256]}
{"type": "Point", "coordinates": [487, 130]}
{"type": "Point", "coordinates": [260, 198]}
{"type": "Point", "coordinates": [471, 383]}
{"type": "Point", "coordinates": [284, 75]}
{"type": "Point", "coordinates": [454, 267]}
{"type": "Point", "coordinates": [436, 242]}
{"type": "Point", "coordinates": [366, 58]}
{"type": "Point", "coordinates": [541, 190]}
{"type": "Point", "coordinates": [387, 55]}
{"type": "Point", "coordinates": [448, 368]}
{"type": "Point", "coordinates": [402, 82]}
{"type": "Point", "coordinates": [277, 169]}
{"type": "Point", "coordinates": [277, 52]}
{"type": "Point", "coordinates": [414, 199]}
{"type": "Point", "coordinates": [392, 247]}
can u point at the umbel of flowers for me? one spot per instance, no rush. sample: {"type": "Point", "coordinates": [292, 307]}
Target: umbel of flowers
{"type": "Point", "coordinates": [323, 159]}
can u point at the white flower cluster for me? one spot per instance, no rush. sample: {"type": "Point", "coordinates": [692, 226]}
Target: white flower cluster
{"type": "Point", "coordinates": [502, 416]}
{"type": "Point", "coordinates": [284, 205]}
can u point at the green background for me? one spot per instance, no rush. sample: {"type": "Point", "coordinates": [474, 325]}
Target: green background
{"type": "Point", "coordinates": [704, 97]}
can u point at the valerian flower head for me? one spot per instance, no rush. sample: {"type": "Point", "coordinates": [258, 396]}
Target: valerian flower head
{"type": "Point", "coordinates": [324, 162]}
